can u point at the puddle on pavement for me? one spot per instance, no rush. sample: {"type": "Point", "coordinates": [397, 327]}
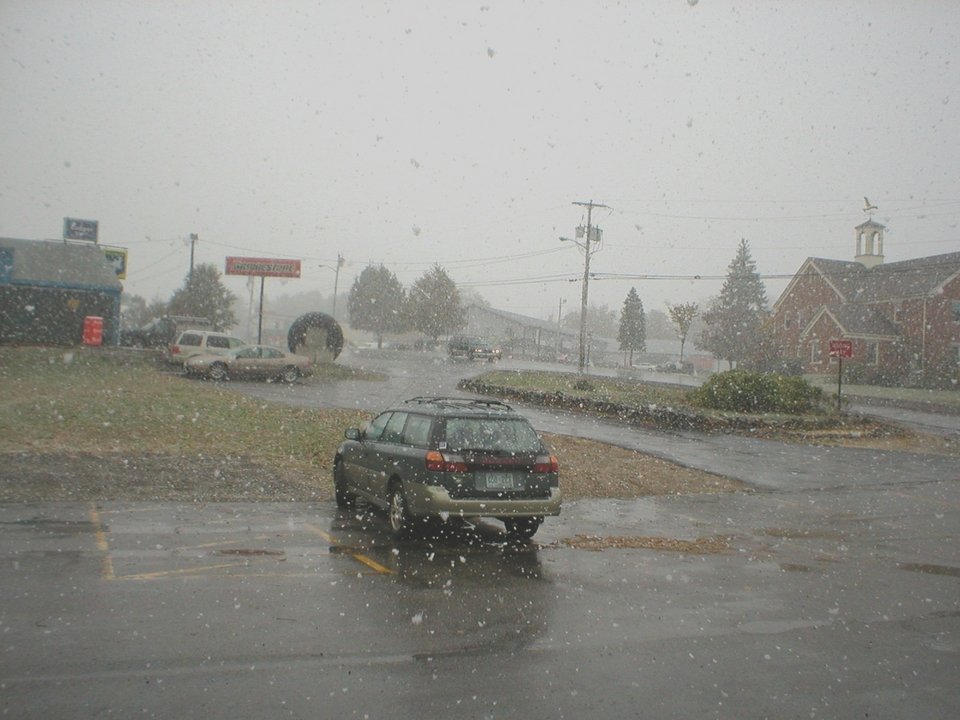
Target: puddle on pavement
{"type": "Point", "coordinates": [930, 569]}
{"type": "Point", "coordinates": [250, 552]}
{"type": "Point", "coordinates": [798, 534]}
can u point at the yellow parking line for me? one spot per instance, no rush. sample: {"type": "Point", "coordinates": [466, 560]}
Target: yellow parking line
{"type": "Point", "coordinates": [181, 571]}
{"type": "Point", "coordinates": [359, 557]}
{"type": "Point", "coordinates": [100, 536]}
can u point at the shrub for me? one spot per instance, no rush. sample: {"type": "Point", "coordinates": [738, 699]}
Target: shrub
{"type": "Point", "coordinates": [751, 392]}
{"type": "Point", "coordinates": [862, 374]}
{"type": "Point", "coordinates": [584, 385]}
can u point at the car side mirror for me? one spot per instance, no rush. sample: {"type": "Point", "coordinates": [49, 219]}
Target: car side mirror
{"type": "Point", "coordinates": [352, 434]}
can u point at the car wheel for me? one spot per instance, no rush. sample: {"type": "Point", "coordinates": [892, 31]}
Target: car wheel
{"type": "Point", "coordinates": [344, 497]}
{"type": "Point", "coordinates": [218, 371]}
{"type": "Point", "coordinates": [522, 528]}
{"type": "Point", "coordinates": [397, 512]}
{"type": "Point", "coordinates": [290, 374]}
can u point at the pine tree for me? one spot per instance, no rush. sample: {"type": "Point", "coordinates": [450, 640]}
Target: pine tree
{"type": "Point", "coordinates": [434, 305]}
{"type": "Point", "coordinates": [376, 302]}
{"type": "Point", "coordinates": [733, 319]}
{"type": "Point", "coordinates": [632, 333]}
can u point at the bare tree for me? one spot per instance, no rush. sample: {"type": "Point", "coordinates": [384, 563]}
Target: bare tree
{"type": "Point", "coordinates": [683, 315]}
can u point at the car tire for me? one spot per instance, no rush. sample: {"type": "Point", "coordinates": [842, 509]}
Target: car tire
{"type": "Point", "coordinates": [398, 514]}
{"type": "Point", "coordinates": [522, 528]}
{"type": "Point", "coordinates": [290, 374]}
{"type": "Point", "coordinates": [345, 498]}
{"type": "Point", "coordinates": [218, 372]}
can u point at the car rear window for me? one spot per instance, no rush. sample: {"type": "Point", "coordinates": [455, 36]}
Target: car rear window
{"type": "Point", "coordinates": [189, 339]}
{"type": "Point", "coordinates": [493, 434]}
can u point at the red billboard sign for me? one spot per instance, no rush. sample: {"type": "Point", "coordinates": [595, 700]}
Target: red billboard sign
{"type": "Point", "coordinates": [841, 349]}
{"type": "Point", "coordinates": [264, 267]}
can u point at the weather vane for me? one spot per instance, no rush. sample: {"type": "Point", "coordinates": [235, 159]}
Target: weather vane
{"type": "Point", "coordinates": [868, 207]}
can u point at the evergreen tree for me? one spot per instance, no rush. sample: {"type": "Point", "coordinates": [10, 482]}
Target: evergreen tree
{"type": "Point", "coordinates": [632, 333]}
{"type": "Point", "coordinates": [682, 315]}
{"type": "Point", "coordinates": [204, 295]}
{"type": "Point", "coordinates": [435, 306]}
{"type": "Point", "coordinates": [733, 319]}
{"type": "Point", "coordinates": [376, 302]}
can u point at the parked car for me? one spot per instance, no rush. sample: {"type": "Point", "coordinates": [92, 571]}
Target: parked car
{"type": "Point", "coordinates": [675, 367]}
{"type": "Point", "coordinates": [161, 331]}
{"type": "Point", "coordinates": [251, 362]}
{"type": "Point", "coordinates": [201, 342]}
{"type": "Point", "coordinates": [437, 457]}
{"type": "Point", "coordinates": [472, 348]}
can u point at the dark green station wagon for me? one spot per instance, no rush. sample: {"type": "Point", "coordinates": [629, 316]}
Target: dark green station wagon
{"type": "Point", "coordinates": [441, 457]}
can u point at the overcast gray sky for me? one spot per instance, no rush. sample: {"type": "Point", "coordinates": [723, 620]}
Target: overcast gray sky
{"type": "Point", "coordinates": [415, 132]}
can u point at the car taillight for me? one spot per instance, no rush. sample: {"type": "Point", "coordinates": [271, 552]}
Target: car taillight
{"type": "Point", "coordinates": [438, 462]}
{"type": "Point", "coordinates": [546, 464]}
{"type": "Point", "coordinates": [174, 349]}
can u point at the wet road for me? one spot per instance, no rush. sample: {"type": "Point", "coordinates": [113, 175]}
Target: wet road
{"type": "Point", "coordinates": [764, 464]}
{"type": "Point", "coordinates": [837, 596]}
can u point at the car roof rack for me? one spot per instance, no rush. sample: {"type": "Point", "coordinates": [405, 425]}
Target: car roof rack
{"type": "Point", "coordinates": [459, 402]}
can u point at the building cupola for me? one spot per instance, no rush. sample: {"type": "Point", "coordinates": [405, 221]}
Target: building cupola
{"type": "Point", "coordinates": [869, 243]}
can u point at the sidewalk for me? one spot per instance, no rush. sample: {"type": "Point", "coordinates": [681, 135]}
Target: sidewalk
{"type": "Point", "coordinates": [945, 402]}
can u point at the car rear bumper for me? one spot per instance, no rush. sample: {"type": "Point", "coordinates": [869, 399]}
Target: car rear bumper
{"type": "Point", "coordinates": [435, 500]}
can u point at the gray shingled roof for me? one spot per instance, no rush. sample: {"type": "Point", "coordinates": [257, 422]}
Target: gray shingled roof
{"type": "Point", "coordinates": [58, 264]}
{"type": "Point", "coordinates": [856, 320]}
{"type": "Point", "coordinates": [891, 281]}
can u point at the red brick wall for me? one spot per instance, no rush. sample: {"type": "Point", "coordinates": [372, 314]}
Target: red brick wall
{"type": "Point", "coordinates": [795, 310]}
{"type": "Point", "coordinates": [942, 332]}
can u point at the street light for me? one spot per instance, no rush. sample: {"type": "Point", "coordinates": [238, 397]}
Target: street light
{"type": "Point", "coordinates": [336, 280]}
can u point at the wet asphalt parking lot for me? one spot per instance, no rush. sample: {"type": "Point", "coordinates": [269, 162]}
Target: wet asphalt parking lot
{"type": "Point", "coordinates": [835, 595]}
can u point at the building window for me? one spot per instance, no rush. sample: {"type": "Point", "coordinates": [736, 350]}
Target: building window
{"type": "Point", "coordinates": [815, 351]}
{"type": "Point", "coordinates": [898, 313]}
{"type": "Point", "coordinates": [871, 351]}
{"type": "Point", "coordinates": [955, 311]}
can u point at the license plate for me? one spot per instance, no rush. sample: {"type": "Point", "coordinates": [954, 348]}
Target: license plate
{"type": "Point", "coordinates": [496, 481]}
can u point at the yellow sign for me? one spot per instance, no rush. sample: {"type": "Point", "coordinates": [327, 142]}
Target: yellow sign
{"type": "Point", "coordinates": [118, 258]}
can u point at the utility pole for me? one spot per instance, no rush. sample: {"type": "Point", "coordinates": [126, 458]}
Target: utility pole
{"type": "Point", "coordinates": [559, 316]}
{"type": "Point", "coordinates": [193, 241]}
{"type": "Point", "coordinates": [586, 279]}
{"type": "Point", "coordinates": [336, 280]}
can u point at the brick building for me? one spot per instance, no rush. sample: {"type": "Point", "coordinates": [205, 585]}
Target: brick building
{"type": "Point", "coordinates": [903, 317]}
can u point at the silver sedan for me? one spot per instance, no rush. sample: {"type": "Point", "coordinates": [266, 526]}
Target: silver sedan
{"type": "Point", "coordinates": [251, 362]}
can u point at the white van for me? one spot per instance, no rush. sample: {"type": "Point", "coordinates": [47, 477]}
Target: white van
{"type": "Point", "coordinates": [200, 342]}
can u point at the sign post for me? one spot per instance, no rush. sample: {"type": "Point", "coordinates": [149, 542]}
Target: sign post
{"type": "Point", "coordinates": [840, 349]}
{"type": "Point", "coordinates": [264, 267]}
